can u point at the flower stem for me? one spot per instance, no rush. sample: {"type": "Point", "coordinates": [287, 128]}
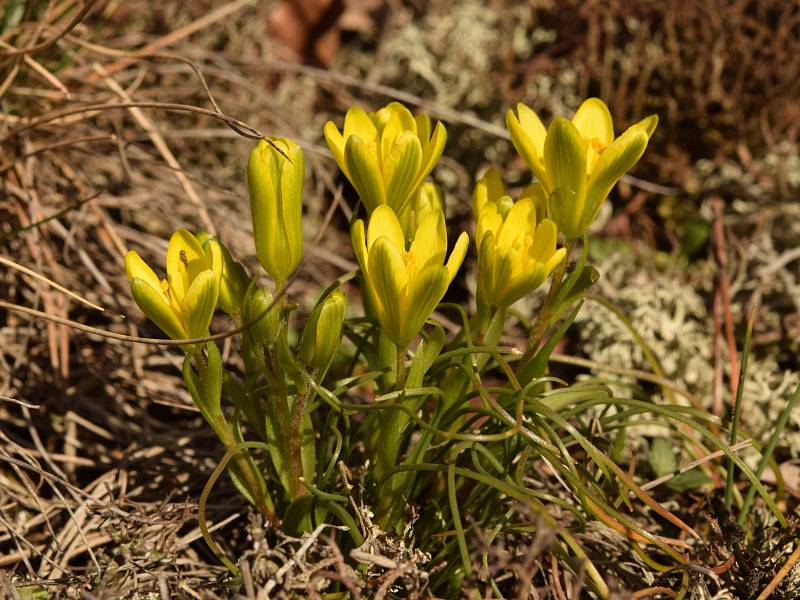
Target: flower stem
{"type": "Point", "coordinates": [540, 326]}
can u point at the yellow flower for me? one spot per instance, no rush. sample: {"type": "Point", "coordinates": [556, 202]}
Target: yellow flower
{"type": "Point", "coordinates": [516, 253]}
{"type": "Point", "coordinates": [578, 161]}
{"type": "Point", "coordinates": [386, 155]}
{"type": "Point", "coordinates": [405, 285]}
{"type": "Point", "coordinates": [276, 204]}
{"type": "Point", "coordinates": [182, 304]}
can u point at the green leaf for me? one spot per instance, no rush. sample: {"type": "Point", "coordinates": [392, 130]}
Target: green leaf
{"type": "Point", "coordinates": [662, 457]}
{"type": "Point", "coordinates": [299, 516]}
{"type": "Point", "coordinates": [690, 480]}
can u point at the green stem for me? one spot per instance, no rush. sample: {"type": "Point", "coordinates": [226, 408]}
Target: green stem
{"type": "Point", "coordinates": [241, 460]}
{"type": "Point", "coordinates": [400, 368]}
{"type": "Point", "coordinates": [737, 409]}
{"type": "Point", "coordinates": [540, 326]}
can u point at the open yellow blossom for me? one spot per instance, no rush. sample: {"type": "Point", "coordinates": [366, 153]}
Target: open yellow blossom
{"type": "Point", "coordinates": [405, 285]}
{"type": "Point", "coordinates": [516, 252]}
{"type": "Point", "coordinates": [577, 162]}
{"type": "Point", "coordinates": [182, 304]}
{"type": "Point", "coordinates": [386, 155]}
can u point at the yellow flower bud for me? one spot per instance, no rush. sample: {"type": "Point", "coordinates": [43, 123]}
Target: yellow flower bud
{"type": "Point", "coordinates": [183, 304]}
{"type": "Point", "coordinates": [577, 162]}
{"type": "Point", "coordinates": [276, 204]}
{"type": "Point", "coordinates": [386, 155]}
{"type": "Point", "coordinates": [405, 285]}
{"type": "Point", "coordinates": [516, 252]}
{"type": "Point", "coordinates": [323, 331]}
{"type": "Point", "coordinates": [262, 313]}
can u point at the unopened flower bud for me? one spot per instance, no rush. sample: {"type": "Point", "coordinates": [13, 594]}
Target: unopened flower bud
{"type": "Point", "coordinates": [275, 181]}
{"type": "Point", "coordinates": [323, 331]}
{"type": "Point", "coordinates": [263, 315]}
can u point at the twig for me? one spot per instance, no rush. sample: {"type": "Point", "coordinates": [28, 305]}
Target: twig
{"type": "Point", "coordinates": [780, 575]}
{"type": "Point", "coordinates": [161, 145]}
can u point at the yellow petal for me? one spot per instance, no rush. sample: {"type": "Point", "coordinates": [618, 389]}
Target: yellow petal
{"type": "Point", "coordinates": [505, 262]}
{"type": "Point", "coordinates": [649, 124]}
{"type": "Point", "coordinates": [359, 243]}
{"type": "Point", "coordinates": [185, 259]}
{"type": "Point", "coordinates": [529, 142]}
{"type": "Point", "coordinates": [151, 301]}
{"type": "Point", "coordinates": [423, 127]}
{"type": "Point", "coordinates": [335, 141]}
{"type": "Point", "coordinates": [357, 122]}
{"type": "Point", "coordinates": [457, 256]}
{"type": "Point", "coordinates": [555, 260]}
{"type": "Point", "coordinates": [201, 299]}
{"type": "Point", "coordinates": [136, 267]}
{"type": "Point", "coordinates": [400, 168]}
{"type": "Point", "coordinates": [565, 161]}
{"type": "Point", "coordinates": [518, 223]}
{"type": "Point", "coordinates": [430, 241]}
{"type": "Point", "coordinates": [384, 223]}
{"type": "Point", "coordinates": [594, 123]}
{"type": "Point", "coordinates": [407, 120]}
{"type": "Point", "coordinates": [389, 279]}
{"type": "Point", "coordinates": [536, 192]}
{"type": "Point", "coordinates": [431, 153]}
{"type": "Point", "coordinates": [425, 293]}
{"type": "Point", "coordinates": [544, 241]}
{"type": "Point", "coordinates": [365, 172]}
{"type": "Point", "coordinates": [522, 284]}
{"type": "Point", "coordinates": [618, 158]}
{"type": "Point", "coordinates": [489, 220]}
{"type": "Point", "coordinates": [488, 189]}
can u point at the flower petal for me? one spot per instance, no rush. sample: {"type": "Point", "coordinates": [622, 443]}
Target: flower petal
{"type": "Point", "coordinates": [618, 158]}
{"type": "Point", "coordinates": [426, 290]}
{"type": "Point", "coordinates": [136, 267]}
{"type": "Point", "coordinates": [489, 188]}
{"type": "Point", "coordinates": [400, 168]}
{"type": "Point", "coordinates": [429, 245]}
{"type": "Point", "coordinates": [153, 304]}
{"type": "Point", "coordinates": [365, 173]}
{"type": "Point", "coordinates": [357, 122]}
{"type": "Point", "coordinates": [336, 141]}
{"type": "Point", "coordinates": [535, 191]}
{"type": "Point", "coordinates": [565, 161]}
{"type": "Point", "coordinates": [201, 300]}
{"type": "Point", "coordinates": [384, 223]}
{"type": "Point", "coordinates": [517, 224]}
{"type": "Point", "coordinates": [389, 280]}
{"type": "Point", "coordinates": [649, 124]}
{"type": "Point", "coordinates": [544, 241]}
{"type": "Point", "coordinates": [185, 259]}
{"type": "Point", "coordinates": [594, 123]}
{"type": "Point", "coordinates": [457, 256]}
{"type": "Point", "coordinates": [528, 135]}
{"type": "Point", "coordinates": [359, 243]}
{"type": "Point", "coordinates": [431, 153]}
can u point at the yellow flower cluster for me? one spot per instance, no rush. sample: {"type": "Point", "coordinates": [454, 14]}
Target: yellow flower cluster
{"type": "Point", "coordinates": [402, 244]}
